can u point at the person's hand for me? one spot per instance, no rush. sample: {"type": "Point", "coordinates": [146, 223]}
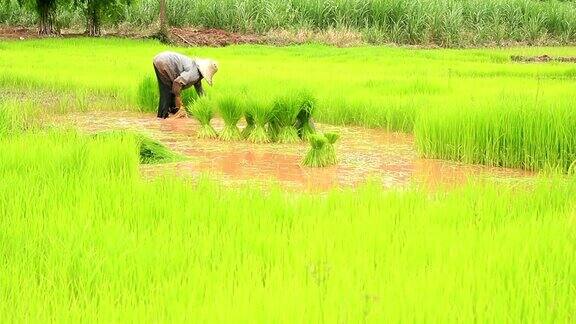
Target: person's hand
{"type": "Point", "coordinates": [181, 113]}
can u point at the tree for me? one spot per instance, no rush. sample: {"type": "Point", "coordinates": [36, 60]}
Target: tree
{"type": "Point", "coordinates": [163, 34]}
{"type": "Point", "coordinates": [46, 11]}
{"type": "Point", "coordinates": [98, 11]}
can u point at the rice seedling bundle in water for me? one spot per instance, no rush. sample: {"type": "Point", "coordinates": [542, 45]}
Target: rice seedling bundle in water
{"type": "Point", "coordinates": [249, 124]}
{"type": "Point", "coordinates": [231, 111]}
{"type": "Point", "coordinates": [330, 150]}
{"type": "Point", "coordinates": [322, 152]}
{"type": "Point", "coordinates": [261, 113]}
{"type": "Point", "coordinates": [304, 125]}
{"type": "Point", "coordinates": [203, 111]}
{"type": "Point", "coordinates": [285, 112]}
{"type": "Point", "coordinates": [150, 150]}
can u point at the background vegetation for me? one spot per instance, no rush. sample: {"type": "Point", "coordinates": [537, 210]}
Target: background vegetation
{"type": "Point", "coordinates": [441, 22]}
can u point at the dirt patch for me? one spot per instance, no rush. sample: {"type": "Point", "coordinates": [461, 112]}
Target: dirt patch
{"type": "Point", "coordinates": [181, 36]}
{"type": "Point", "coordinates": [363, 154]}
{"type": "Point", "coordinates": [17, 33]}
{"type": "Point", "coordinates": [211, 37]}
{"type": "Point", "coordinates": [542, 59]}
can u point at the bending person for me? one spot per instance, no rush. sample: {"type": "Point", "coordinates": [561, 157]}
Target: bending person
{"type": "Point", "coordinates": [176, 72]}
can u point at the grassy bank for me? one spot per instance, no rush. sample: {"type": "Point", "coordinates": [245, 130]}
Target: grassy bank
{"type": "Point", "coordinates": [86, 239]}
{"type": "Point", "coordinates": [441, 22]}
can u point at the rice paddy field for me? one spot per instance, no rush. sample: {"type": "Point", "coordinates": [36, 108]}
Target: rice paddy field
{"type": "Point", "coordinates": [100, 223]}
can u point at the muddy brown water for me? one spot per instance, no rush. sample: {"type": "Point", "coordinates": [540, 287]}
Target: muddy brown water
{"type": "Point", "coordinates": [364, 154]}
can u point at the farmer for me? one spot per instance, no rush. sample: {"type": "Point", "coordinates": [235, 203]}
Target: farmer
{"type": "Point", "coordinates": [176, 72]}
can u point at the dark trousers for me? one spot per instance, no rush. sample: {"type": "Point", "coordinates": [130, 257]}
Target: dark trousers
{"type": "Point", "coordinates": [167, 102]}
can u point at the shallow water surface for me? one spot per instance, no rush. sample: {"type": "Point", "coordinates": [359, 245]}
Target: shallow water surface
{"type": "Point", "coordinates": [378, 155]}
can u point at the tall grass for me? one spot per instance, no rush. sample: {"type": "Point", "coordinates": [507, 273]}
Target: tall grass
{"type": "Point", "coordinates": [442, 22]}
{"type": "Point", "coordinates": [84, 238]}
{"type": "Point", "coordinates": [519, 133]}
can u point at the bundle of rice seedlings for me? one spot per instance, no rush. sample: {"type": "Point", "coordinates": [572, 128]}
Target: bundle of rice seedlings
{"type": "Point", "coordinates": [203, 111]}
{"type": "Point", "coordinates": [249, 123]}
{"type": "Point", "coordinates": [151, 151]}
{"type": "Point", "coordinates": [231, 111]}
{"type": "Point", "coordinates": [304, 123]}
{"type": "Point", "coordinates": [316, 155]}
{"type": "Point", "coordinates": [330, 150]}
{"type": "Point", "coordinates": [261, 113]}
{"type": "Point", "coordinates": [273, 129]}
{"type": "Point", "coordinates": [322, 152]}
{"type": "Point", "coordinates": [285, 111]}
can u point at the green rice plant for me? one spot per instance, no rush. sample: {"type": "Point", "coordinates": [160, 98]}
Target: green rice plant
{"type": "Point", "coordinates": [304, 124]}
{"type": "Point", "coordinates": [153, 249]}
{"type": "Point", "coordinates": [150, 150]}
{"type": "Point", "coordinates": [322, 152]}
{"type": "Point", "coordinates": [17, 117]}
{"type": "Point", "coordinates": [261, 113]}
{"type": "Point", "coordinates": [316, 156]}
{"type": "Point", "coordinates": [203, 111]}
{"type": "Point", "coordinates": [285, 113]}
{"type": "Point", "coordinates": [154, 152]}
{"type": "Point", "coordinates": [272, 129]}
{"type": "Point", "coordinates": [330, 149]}
{"type": "Point", "coordinates": [249, 124]}
{"type": "Point", "coordinates": [231, 110]}
{"type": "Point", "coordinates": [148, 94]}
{"type": "Point", "coordinates": [520, 133]}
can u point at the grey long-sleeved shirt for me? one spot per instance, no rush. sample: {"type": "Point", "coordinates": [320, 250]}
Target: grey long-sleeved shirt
{"type": "Point", "coordinates": [177, 68]}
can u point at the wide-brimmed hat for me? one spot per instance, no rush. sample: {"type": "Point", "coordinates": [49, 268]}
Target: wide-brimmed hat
{"type": "Point", "coordinates": [207, 68]}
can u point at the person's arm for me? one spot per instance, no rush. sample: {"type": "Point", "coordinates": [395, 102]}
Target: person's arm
{"type": "Point", "coordinates": [198, 87]}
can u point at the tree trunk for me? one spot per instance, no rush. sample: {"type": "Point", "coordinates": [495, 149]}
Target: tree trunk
{"type": "Point", "coordinates": [163, 33]}
{"type": "Point", "coordinates": [46, 21]}
{"type": "Point", "coordinates": [162, 18]}
{"type": "Point", "coordinates": [92, 22]}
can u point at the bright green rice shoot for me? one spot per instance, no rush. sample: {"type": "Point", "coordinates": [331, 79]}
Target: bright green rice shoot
{"type": "Point", "coordinates": [261, 112]}
{"type": "Point", "coordinates": [231, 111]}
{"type": "Point", "coordinates": [285, 111]}
{"type": "Point", "coordinates": [203, 111]}
{"type": "Point", "coordinates": [322, 152]}
{"type": "Point", "coordinates": [249, 124]}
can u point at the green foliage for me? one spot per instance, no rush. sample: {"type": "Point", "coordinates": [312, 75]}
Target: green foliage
{"type": "Point", "coordinates": [203, 110]}
{"type": "Point", "coordinates": [109, 245]}
{"type": "Point", "coordinates": [249, 124]}
{"type": "Point", "coordinates": [148, 94]}
{"type": "Point", "coordinates": [521, 133]}
{"type": "Point", "coordinates": [17, 117]}
{"type": "Point", "coordinates": [284, 113]}
{"type": "Point", "coordinates": [231, 110]}
{"type": "Point", "coordinates": [261, 112]}
{"type": "Point", "coordinates": [441, 22]}
{"type": "Point", "coordinates": [322, 152]}
{"type": "Point", "coordinates": [150, 151]}
{"type": "Point", "coordinates": [444, 92]}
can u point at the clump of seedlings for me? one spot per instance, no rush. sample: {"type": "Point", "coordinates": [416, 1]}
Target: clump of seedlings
{"type": "Point", "coordinates": [249, 123]}
{"type": "Point", "coordinates": [330, 150]}
{"type": "Point", "coordinates": [285, 112]}
{"type": "Point", "coordinates": [261, 114]}
{"type": "Point", "coordinates": [304, 124]}
{"type": "Point", "coordinates": [150, 150]}
{"type": "Point", "coordinates": [322, 152]}
{"type": "Point", "coordinates": [230, 109]}
{"type": "Point", "coordinates": [203, 111]}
